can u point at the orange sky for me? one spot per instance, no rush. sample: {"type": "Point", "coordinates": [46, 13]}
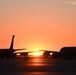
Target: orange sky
{"type": "Point", "coordinates": [38, 24]}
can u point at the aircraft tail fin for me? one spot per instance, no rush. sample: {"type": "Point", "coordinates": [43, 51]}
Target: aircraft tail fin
{"type": "Point", "coordinates": [11, 46]}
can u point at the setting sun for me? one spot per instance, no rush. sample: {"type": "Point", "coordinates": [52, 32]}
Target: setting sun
{"type": "Point", "coordinates": [37, 53]}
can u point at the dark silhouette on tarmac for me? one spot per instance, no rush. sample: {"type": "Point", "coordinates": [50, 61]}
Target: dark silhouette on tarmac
{"type": "Point", "coordinates": [65, 53]}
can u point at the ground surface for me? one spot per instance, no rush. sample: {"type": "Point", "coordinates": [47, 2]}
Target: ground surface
{"type": "Point", "coordinates": [37, 66]}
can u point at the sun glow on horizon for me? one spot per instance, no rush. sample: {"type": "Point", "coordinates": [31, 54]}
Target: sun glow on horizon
{"type": "Point", "coordinates": [37, 54]}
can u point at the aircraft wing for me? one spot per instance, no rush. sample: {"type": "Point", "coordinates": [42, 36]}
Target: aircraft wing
{"type": "Point", "coordinates": [20, 52]}
{"type": "Point", "coordinates": [20, 49]}
{"type": "Point", "coordinates": [62, 53]}
{"type": "Point", "coordinates": [49, 51]}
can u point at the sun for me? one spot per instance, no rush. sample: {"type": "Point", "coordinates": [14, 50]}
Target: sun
{"type": "Point", "coordinates": [37, 53]}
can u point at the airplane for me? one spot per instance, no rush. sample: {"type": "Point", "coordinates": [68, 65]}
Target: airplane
{"type": "Point", "coordinates": [64, 53]}
{"type": "Point", "coordinates": [10, 51]}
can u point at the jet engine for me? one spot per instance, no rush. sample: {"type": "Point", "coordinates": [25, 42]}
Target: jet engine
{"type": "Point", "coordinates": [46, 53]}
{"type": "Point", "coordinates": [24, 54]}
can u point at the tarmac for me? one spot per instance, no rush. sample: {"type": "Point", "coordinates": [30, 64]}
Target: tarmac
{"type": "Point", "coordinates": [37, 66]}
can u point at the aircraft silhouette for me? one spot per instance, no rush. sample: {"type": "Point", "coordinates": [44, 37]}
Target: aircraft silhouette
{"type": "Point", "coordinates": [9, 52]}
{"type": "Point", "coordinates": [64, 53]}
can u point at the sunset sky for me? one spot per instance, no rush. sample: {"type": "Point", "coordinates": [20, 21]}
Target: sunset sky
{"type": "Point", "coordinates": [38, 24]}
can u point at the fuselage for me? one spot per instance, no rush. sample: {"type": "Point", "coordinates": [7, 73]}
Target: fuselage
{"type": "Point", "coordinates": [68, 50]}
{"type": "Point", "coordinates": [66, 53]}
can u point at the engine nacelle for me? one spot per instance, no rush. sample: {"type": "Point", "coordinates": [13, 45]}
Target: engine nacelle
{"type": "Point", "coordinates": [46, 54]}
{"type": "Point", "coordinates": [24, 54]}
{"type": "Point", "coordinates": [55, 55]}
